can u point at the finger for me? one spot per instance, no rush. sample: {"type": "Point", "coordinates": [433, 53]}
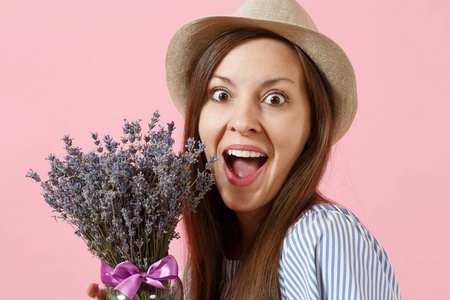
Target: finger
{"type": "Point", "coordinates": [102, 294]}
{"type": "Point", "coordinates": [92, 290]}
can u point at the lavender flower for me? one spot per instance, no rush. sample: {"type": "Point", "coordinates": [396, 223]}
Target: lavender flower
{"type": "Point", "coordinates": [125, 202]}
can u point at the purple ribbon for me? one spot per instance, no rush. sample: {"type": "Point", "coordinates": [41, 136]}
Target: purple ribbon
{"type": "Point", "coordinates": [127, 279]}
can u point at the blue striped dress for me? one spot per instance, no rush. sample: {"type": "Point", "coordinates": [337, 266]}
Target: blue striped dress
{"type": "Point", "coordinates": [329, 254]}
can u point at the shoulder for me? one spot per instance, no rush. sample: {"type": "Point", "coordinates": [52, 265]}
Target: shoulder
{"type": "Point", "coordinates": [326, 221]}
{"type": "Point", "coordinates": [320, 234]}
{"type": "Point", "coordinates": [328, 249]}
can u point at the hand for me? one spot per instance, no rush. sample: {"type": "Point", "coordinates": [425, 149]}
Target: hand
{"type": "Point", "coordinates": [95, 291]}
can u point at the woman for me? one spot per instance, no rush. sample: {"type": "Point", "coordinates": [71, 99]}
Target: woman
{"type": "Point", "coordinates": [270, 95]}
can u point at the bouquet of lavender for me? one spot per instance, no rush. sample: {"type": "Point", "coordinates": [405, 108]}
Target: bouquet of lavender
{"type": "Point", "coordinates": [125, 203]}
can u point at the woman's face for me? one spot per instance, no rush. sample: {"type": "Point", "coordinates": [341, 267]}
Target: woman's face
{"type": "Point", "coordinates": [256, 120]}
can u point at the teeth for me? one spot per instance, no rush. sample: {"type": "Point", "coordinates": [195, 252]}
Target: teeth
{"type": "Point", "coordinates": [243, 153]}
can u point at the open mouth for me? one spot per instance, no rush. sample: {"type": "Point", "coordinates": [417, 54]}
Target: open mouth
{"type": "Point", "coordinates": [244, 163]}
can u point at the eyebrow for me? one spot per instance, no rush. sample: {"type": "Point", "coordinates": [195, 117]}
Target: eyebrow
{"type": "Point", "coordinates": [275, 80]}
{"type": "Point", "coordinates": [264, 84]}
{"type": "Point", "coordinates": [224, 79]}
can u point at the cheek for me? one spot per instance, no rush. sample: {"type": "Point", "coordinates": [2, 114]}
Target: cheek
{"type": "Point", "coordinates": [290, 147]}
{"type": "Point", "coordinates": [207, 133]}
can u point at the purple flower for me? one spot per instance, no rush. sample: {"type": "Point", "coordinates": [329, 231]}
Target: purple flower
{"type": "Point", "coordinates": [126, 202]}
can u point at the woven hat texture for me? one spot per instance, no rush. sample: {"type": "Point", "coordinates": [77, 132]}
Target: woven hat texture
{"type": "Point", "coordinates": [283, 17]}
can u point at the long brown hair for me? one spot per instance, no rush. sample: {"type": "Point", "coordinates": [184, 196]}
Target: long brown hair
{"type": "Point", "coordinates": [213, 230]}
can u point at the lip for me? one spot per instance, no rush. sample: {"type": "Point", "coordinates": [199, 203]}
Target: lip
{"type": "Point", "coordinates": [238, 181]}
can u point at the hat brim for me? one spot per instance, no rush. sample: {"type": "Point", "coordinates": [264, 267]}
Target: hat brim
{"type": "Point", "coordinates": [191, 39]}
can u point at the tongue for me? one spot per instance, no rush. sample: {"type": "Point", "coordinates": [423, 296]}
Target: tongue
{"type": "Point", "coordinates": [244, 167]}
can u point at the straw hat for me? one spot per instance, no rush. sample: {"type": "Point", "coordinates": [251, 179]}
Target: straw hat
{"type": "Point", "coordinates": [283, 17]}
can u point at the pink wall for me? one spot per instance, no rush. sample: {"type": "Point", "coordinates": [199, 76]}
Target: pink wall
{"type": "Point", "coordinates": [80, 66]}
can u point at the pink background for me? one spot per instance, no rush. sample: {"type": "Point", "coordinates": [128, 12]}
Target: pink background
{"type": "Point", "coordinates": [77, 66]}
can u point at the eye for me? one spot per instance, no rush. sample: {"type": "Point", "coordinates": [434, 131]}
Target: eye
{"type": "Point", "coordinates": [275, 98]}
{"type": "Point", "coordinates": [220, 95]}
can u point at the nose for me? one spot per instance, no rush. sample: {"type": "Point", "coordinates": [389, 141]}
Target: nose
{"type": "Point", "coordinates": [245, 117]}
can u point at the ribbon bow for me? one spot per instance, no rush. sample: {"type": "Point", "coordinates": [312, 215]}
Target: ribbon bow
{"type": "Point", "coordinates": [127, 279]}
